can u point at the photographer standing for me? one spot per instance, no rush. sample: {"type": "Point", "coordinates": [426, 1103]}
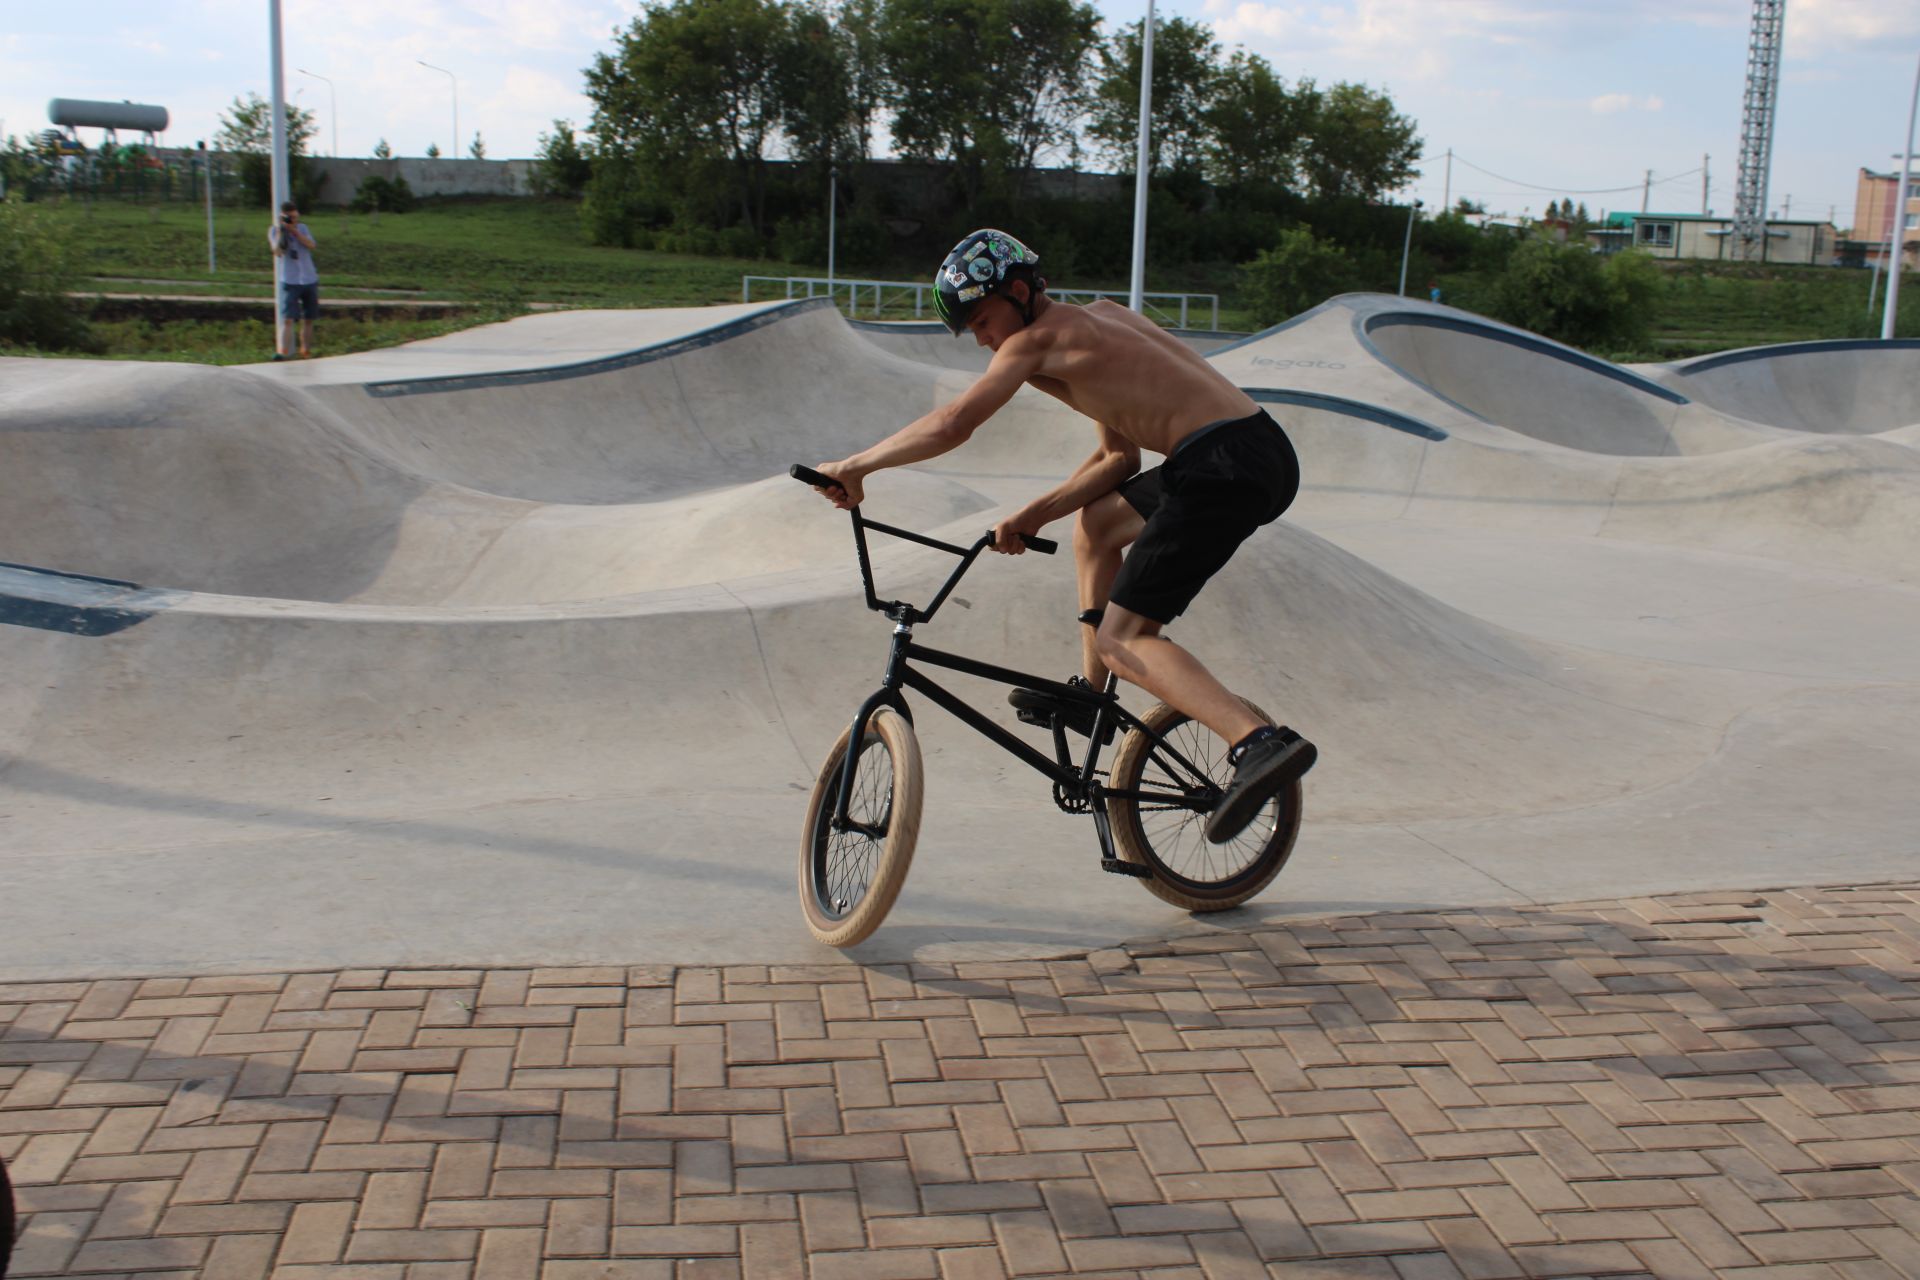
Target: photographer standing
{"type": "Point", "coordinates": [299, 280]}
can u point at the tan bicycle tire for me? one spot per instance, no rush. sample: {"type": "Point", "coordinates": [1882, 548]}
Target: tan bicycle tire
{"type": "Point", "coordinates": [881, 887]}
{"type": "Point", "coordinates": [1133, 843]}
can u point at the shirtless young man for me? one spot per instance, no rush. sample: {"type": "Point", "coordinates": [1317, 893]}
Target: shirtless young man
{"type": "Point", "coordinates": [1229, 470]}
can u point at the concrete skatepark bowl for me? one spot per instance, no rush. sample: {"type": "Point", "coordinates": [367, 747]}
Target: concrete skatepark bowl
{"type": "Point", "coordinates": [517, 646]}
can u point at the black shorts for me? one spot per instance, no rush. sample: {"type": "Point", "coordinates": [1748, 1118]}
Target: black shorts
{"type": "Point", "coordinates": [1215, 488]}
{"type": "Point", "coordinates": [300, 301]}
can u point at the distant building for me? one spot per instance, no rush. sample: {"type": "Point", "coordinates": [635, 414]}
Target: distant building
{"type": "Point", "coordinates": [1696, 235]}
{"type": "Point", "coordinates": [1873, 215]}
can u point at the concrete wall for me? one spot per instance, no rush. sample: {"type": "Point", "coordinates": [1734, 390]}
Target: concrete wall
{"type": "Point", "coordinates": [340, 178]}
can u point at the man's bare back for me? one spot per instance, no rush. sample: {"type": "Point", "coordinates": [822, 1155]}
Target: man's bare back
{"type": "Point", "coordinates": [1125, 372]}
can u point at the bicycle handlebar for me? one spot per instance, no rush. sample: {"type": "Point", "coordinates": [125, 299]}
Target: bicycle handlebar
{"type": "Point", "coordinates": [807, 475]}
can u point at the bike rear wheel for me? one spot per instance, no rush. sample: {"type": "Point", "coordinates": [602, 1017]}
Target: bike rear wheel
{"type": "Point", "coordinates": [1170, 840]}
{"type": "Point", "coordinates": [849, 879]}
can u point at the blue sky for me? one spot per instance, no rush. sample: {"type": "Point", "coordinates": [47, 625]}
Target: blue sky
{"type": "Point", "coordinates": [1566, 94]}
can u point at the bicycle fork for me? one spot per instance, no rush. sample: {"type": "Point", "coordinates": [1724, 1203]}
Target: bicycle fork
{"type": "Point", "coordinates": [887, 695]}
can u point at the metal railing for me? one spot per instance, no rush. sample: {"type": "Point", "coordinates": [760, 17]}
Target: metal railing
{"type": "Point", "coordinates": [881, 292]}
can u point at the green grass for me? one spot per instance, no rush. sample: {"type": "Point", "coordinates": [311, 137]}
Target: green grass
{"type": "Point", "coordinates": [504, 254]}
{"type": "Point", "coordinates": [493, 250]}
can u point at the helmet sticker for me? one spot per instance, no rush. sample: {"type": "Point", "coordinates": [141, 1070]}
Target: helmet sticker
{"type": "Point", "coordinates": [971, 292]}
{"type": "Point", "coordinates": [980, 269]}
{"type": "Point", "coordinates": [956, 277]}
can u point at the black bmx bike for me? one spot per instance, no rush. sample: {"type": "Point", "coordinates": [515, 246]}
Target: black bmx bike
{"type": "Point", "coordinates": [1149, 808]}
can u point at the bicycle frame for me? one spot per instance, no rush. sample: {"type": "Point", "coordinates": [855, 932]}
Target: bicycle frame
{"type": "Point", "coordinates": [1074, 785]}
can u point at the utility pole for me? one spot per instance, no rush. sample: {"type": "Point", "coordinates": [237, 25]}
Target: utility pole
{"type": "Point", "coordinates": [1786, 208]}
{"type": "Point", "coordinates": [1897, 239]}
{"type": "Point", "coordinates": [1704, 183]}
{"type": "Point", "coordinates": [278, 166]}
{"type": "Point", "coordinates": [1137, 299]}
{"type": "Point", "coordinates": [206, 166]}
{"type": "Point", "coordinates": [1646, 190]}
{"type": "Point", "coordinates": [1446, 192]}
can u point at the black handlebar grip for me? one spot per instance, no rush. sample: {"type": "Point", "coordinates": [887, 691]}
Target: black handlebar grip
{"type": "Point", "coordinates": [1045, 546]}
{"type": "Point", "coordinates": [812, 477]}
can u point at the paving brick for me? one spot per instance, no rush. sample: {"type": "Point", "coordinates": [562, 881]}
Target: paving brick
{"type": "Point", "coordinates": [1691, 1086]}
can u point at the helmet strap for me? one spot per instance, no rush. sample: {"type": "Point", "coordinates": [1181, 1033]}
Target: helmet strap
{"type": "Point", "coordinates": [1026, 308]}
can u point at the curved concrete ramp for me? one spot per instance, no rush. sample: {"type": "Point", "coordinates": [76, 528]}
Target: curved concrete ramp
{"type": "Point", "coordinates": [1462, 372]}
{"type": "Point", "coordinates": [1837, 388]}
{"type": "Point", "coordinates": [533, 662]}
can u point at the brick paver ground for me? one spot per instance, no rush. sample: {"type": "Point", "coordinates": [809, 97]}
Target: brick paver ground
{"type": "Point", "coordinates": [1716, 1084]}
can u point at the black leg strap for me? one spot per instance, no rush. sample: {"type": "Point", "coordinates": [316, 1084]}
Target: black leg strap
{"type": "Point", "coordinates": [1092, 617]}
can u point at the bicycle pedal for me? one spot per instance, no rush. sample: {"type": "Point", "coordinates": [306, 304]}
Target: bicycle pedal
{"type": "Point", "coordinates": [1119, 868]}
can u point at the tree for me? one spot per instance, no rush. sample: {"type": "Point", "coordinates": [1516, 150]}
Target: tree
{"type": "Point", "coordinates": [433, 151]}
{"type": "Point", "coordinates": [1186, 61]}
{"type": "Point", "coordinates": [1464, 206]}
{"type": "Point", "coordinates": [1553, 210]}
{"type": "Point", "coordinates": [1299, 272]}
{"type": "Point", "coordinates": [692, 89]}
{"type": "Point", "coordinates": [561, 168]}
{"type": "Point", "coordinates": [986, 86]}
{"type": "Point", "coordinates": [479, 148]}
{"type": "Point", "coordinates": [247, 129]}
{"type": "Point", "coordinates": [1359, 145]}
{"type": "Point", "coordinates": [1567, 292]}
{"type": "Point", "coordinates": [858, 24]}
{"type": "Point", "coordinates": [817, 90]}
{"type": "Point", "coordinates": [381, 151]}
{"type": "Point", "coordinates": [1255, 127]}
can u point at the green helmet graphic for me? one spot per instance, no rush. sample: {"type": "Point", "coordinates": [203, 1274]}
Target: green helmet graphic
{"type": "Point", "coordinates": [981, 265]}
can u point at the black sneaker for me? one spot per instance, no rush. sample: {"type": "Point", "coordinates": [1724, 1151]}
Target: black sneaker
{"type": "Point", "coordinates": [1033, 706]}
{"type": "Point", "coordinates": [1267, 766]}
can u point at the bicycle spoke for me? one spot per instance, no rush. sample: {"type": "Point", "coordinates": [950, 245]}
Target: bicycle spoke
{"type": "Point", "coordinates": [853, 854]}
{"type": "Point", "coordinates": [1178, 833]}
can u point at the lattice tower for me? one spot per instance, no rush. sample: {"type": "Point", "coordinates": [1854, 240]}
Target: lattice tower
{"type": "Point", "coordinates": [1756, 129]}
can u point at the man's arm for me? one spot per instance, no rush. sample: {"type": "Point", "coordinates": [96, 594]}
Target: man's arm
{"type": "Point", "coordinates": [300, 231]}
{"type": "Point", "coordinates": [1114, 461]}
{"type": "Point", "coordinates": [945, 428]}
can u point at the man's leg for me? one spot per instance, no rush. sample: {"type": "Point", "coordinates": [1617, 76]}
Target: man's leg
{"type": "Point", "coordinates": [306, 337]}
{"type": "Point", "coordinates": [1130, 644]}
{"type": "Point", "coordinates": [1100, 538]}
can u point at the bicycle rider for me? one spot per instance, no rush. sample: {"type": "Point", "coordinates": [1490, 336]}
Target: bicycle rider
{"type": "Point", "coordinates": [1229, 469]}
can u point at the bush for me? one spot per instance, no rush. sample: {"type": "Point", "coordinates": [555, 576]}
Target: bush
{"type": "Point", "coordinates": [618, 203]}
{"type": "Point", "coordinates": [1299, 272]}
{"type": "Point", "coordinates": [34, 279]}
{"type": "Point", "coordinates": [379, 195]}
{"type": "Point", "coordinates": [1571, 294]}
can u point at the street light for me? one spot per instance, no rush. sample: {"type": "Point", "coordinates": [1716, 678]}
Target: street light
{"type": "Point", "coordinates": [1407, 251]}
{"type": "Point", "coordinates": [833, 191]}
{"type": "Point", "coordinates": [456, 101]}
{"type": "Point", "coordinates": [1898, 238]}
{"type": "Point", "coordinates": [333, 107]}
{"type": "Point", "coordinates": [1136, 294]}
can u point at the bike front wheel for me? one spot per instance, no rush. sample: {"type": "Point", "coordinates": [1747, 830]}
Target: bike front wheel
{"type": "Point", "coordinates": [1170, 839]}
{"type": "Point", "coordinates": [849, 879]}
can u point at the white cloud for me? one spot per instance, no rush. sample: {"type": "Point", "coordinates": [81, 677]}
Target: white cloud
{"type": "Point", "coordinates": [1612, 103]}
{"type": "Point", "coordinates": [1816, 27]}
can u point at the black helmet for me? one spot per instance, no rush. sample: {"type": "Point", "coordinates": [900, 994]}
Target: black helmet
{"type": "Point", "coordinates": [980, 266]}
